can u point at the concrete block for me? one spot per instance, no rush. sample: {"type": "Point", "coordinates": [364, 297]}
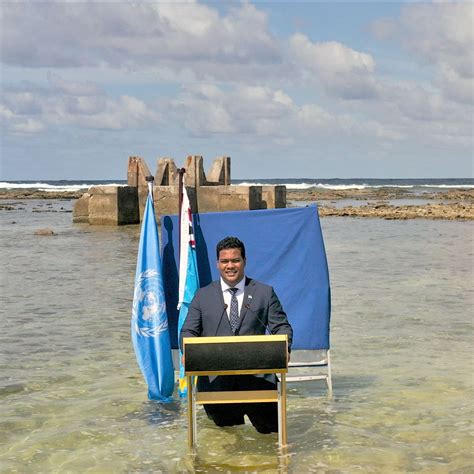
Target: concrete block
{"type": "Point", "coordinates": [113, 205]}
{"type": "Point", "coordinates": [229, 198]}
{"type": "Point", "coordinates": [166, 199]}
{"type": "Point", "coordinates": [273, 197]}
{"type": "Point", "coordinates": [80, 213]}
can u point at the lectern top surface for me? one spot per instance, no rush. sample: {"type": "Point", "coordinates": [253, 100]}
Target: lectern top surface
{"type": "Point", "coordinates": [235, 339]}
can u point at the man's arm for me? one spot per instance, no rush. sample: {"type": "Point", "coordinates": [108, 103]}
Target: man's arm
{"type": "Point", "coordinates": [192, 326]}
{"type": "Point", "coordinates": [277, 320]}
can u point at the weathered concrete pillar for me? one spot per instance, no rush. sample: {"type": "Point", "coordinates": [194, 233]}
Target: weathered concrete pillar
{"type": "Point", "coordinates": [136, 177]}
{"type": "Point", "coordinates": [142, 172]}
{"type": "Point", "coordinates": [274, 197]}
{"type": "Point", "coordinates": [113, 205]}
{"type": "Point", "coordinates": [137, 171]}
{"type": "Point", "coordinates": [166, 172]}
{"type": "Point", "coordinates": [80, 213]}
{"type": "Point", "coordinates": [219, 174]}
{"type": "Point", "coordinates": [132, 171]}
{"type": "Point", "coordinates": [194, 175]}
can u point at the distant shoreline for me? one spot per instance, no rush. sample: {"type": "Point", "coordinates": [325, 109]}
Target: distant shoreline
{"type": "Point", "coordinates": [452, 204]}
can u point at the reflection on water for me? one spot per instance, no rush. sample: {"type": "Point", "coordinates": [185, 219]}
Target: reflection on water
{"type": "Point", "coordinates": [72, 398]}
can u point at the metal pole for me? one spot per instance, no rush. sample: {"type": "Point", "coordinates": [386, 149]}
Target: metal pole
{"type": "Point", "coordinates": [191, 423]}
{"type": "Point", "coordinates": [149, 180]}
{"type": "Point", "coordinates": [181, 172]}
{"type": "Point", "coordinates": [283, 408]}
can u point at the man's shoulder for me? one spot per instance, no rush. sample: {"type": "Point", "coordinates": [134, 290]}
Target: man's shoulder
{"type": "Point", "coordinates": [211, 287]}
{"type": "Point", "coordinates": [258, 285]}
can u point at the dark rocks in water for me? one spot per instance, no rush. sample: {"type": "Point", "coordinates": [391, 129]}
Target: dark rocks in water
{"type": "Point", "coordinates": [11, 389]}
{"type": "Point", "coordinates": [37, 194]}
{"type": "Point", "coordinates": [45, 232]}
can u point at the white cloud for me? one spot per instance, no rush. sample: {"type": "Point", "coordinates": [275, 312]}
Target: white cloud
{"type": "Point", "coordinates": [237, 80]}
{"type": "Point", "coordinates": [31, 109]}
{"type": "Point", "coordinates": [73, 87]}
{"type": "Point", "coordinates": [18, 123]}
{"type": "Point", "coordinates": [330, 57]}
{"type": "Point", "coordinates": [177, 41]}
{"type": "Point", "coordinates": [441, 34]}
{"type": "Point", "coordinates": [422, 113]}
{"type": "Point", "coordinates": [125, 35]}
{"type": "Point", "coordinates": [207, 109]}
{"type": "Point", "coordinates": [341, 70]}
{"type": "Point", "coordinates": [404, 112]}
{"type": "Point", "coordinates": [263, 112]}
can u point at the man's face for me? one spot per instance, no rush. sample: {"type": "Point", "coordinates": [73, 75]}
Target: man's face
{"type": "Point", "coordinates": [231, 266]}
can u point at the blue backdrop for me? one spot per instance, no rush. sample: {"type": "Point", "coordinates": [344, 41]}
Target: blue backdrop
{"type": "Point", "coordinates": [284, 248]}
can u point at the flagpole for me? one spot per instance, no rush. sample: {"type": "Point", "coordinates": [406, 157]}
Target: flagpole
{"type": "Point", "coordinates": [181, 172]}
{"type": "Point", "coordinates": [149, 180]}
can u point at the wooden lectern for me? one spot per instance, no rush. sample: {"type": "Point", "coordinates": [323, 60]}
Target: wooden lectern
{"type": "Point", "coordinates": [236, 355]}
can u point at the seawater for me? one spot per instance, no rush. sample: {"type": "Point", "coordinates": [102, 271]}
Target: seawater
{"type": "Point", "coordinates": [72, 398]}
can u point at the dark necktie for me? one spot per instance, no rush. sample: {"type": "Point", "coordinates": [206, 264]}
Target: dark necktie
{"type": "Point", "coordinates": [234, 310]}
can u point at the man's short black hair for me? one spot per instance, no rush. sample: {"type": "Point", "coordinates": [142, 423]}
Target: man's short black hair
{"type": "Point", "coordinates": [230, 243]}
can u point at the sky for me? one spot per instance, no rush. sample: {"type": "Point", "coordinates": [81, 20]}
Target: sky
{"type": "Point", "coordinates": [286, 89]}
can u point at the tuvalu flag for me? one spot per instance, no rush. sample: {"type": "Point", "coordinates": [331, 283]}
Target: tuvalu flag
{"type": "Point", "coordinates": [188, 275]}
{"type": "Point", "coordinates": [150, 334]}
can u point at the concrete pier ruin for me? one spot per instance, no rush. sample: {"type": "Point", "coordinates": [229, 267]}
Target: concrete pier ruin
{"type": "Point", "coordinates": [122, 205]}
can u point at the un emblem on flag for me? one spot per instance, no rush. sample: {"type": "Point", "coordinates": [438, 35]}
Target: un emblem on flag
{"type": "Point", "coordinates": [149, 308]}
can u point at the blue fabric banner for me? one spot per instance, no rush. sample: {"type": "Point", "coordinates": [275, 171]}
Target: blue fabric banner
{"type": "Point", "coordinates": [284, 248]}
{"type": "Point", "coordinates": [150, 334]}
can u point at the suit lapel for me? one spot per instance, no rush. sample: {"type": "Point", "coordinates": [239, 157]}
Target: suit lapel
{"type": "Point", "coordinates": [219, 296]}
{"type": "Point", "coordinates": [248, 295]}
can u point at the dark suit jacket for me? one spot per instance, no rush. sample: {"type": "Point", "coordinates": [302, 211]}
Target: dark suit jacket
{"type": "Point", "coordinates": [207, 316]}
{"type": "Point", "coordinates": [261, 308]}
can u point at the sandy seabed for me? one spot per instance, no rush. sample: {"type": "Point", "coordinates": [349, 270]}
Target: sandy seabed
{"type": "Point", "coordinates": [72, 398]}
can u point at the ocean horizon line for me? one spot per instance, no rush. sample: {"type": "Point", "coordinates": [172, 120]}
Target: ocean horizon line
{"type": "Point", "coordinates": [95, 180]}
{"type": "Point", "coordinates": [290, 183]}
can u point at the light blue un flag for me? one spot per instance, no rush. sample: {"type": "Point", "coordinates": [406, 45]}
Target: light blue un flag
{"type": "Point", "coordinates": [150, 334]}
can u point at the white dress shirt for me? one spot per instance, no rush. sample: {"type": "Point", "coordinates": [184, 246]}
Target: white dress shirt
{"type": "Point", "coordinates": [228, 295]}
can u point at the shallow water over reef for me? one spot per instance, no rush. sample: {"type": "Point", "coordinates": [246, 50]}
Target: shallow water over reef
{"type": "Point", "coordinates": [72, 398]}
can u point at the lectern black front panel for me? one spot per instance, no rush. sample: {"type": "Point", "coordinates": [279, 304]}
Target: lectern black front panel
{"type": "Point", "coordinates": [229, 356]}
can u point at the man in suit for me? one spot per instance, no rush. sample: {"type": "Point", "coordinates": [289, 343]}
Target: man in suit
{"type": "Point", "coordinates": [237, 305]}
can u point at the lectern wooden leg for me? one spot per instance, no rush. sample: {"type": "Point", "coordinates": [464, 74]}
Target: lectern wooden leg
{"type": "Point", "coordinates": [191, 424]}
{"type": "Point", "coordinates": [282, 410]}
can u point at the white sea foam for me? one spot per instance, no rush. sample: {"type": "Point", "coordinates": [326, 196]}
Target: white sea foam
{"type": "Point", "coordinates": [307, 185]}
{"type": "Point", "coordinates": [51, 187]}
{"type": "Point", "coordinates": [452, 186]}
{"type": "Point", "coordinates": [342, 187]}
{"type": "Point", "coordinates": [71, 187]}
